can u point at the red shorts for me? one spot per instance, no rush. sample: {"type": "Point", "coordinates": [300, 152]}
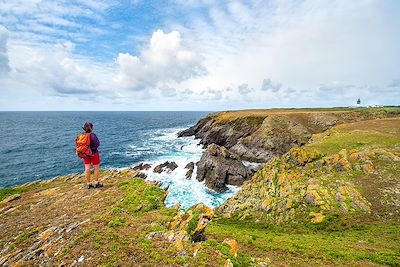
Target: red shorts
{"type": "Point", "coordinates": [95, 160]}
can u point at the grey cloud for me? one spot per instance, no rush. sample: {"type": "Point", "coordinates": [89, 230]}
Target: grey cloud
{"type": "Point", "coordinates": [268, 85]}
{"type": "Point", "coordinates": [215, 94]}
{"type": "Point", "coordinates": [72, 91]}
{"type": "Point", "coordinates": [394, 83]}
{"type": "Point", "coordinates": [244, 89]}
{"type": "Point", "coordinates": [337, 88]}
{"type": "Point", "coordinates": [187, 91]}
{"type": "Point", "coordinates": [168, 91]}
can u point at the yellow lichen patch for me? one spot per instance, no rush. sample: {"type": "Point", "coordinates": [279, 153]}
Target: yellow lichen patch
{"type": "Point", "coordinates": [265, 203]}
{"type": "Point", "coordinates": [368, 167]}
{"type": "Point", "coordinates": [45, 235]}
{"type": "Point", "coordinates": [289, 204]}
{"type": "Point", "coordinates": [312, 187]}
{"type": "Point", "coordinates": [343, 165]}
{"type": "Point", "coordinates": [177, 220]}
{"type": "Point", "coordinates": [206, 211]}
{"type": "Point", "coordinates": [317, 217]}
{"type": "Point", "coordinates": [335, 158]}
{"type": "Point", "coordinates": [283, 192]}
{"type": "Point", "coordinates": [281, 178]}
{"type": "Point", "coordinates": [233, 245]}
{"type": "Point", "coordinates": [354, 156]}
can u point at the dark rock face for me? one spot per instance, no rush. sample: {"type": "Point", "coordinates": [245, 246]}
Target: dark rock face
{"type": "Point", "coordinates": [166, 166]}
{"type": "Point", "coordinates": [190, 167]}
{"type": "Point", "coordinates": [260, 136]}
{"type": "Point", "coordinates": [194, 129]}
{"type": "Point", "coordinates": [141, 166]}
{"type": "Point", "coordinates": [218, 167]}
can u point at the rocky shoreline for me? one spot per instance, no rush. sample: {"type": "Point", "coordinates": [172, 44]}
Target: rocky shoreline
{"type": "Point", "coordinates": [259, 136]}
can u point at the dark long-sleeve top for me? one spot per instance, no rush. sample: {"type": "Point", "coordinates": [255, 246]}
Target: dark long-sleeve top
{"type": "Point", "coordinates": [94, 143]}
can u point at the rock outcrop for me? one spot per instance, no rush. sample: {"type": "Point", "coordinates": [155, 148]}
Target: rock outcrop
{"type": "Point", "coordinates": [218, 167]}
{"type": "Point", "coordinates": [166, 166]}
{"type": "Point", "coordinates": [321, 180]}
{"type": "Point", "coordinates": [142, 166]}
{"type": "Point", "coordinates": [190, 168]}
{"type": "Point", "coordinates": [261, 135]}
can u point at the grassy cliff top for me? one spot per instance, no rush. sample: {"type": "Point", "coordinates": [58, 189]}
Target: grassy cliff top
{"type": "Point", "coordinates": [235, 114]}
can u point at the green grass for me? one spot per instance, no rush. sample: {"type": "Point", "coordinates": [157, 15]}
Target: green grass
{"type": "Point", "coordinates": [140, 197]}
{"type": "Point", "coordinates": [354, 140]}
{"type": "Point", "coordinates": [5, 192]}
{"type": "Point", "coordinates": [377, 243]}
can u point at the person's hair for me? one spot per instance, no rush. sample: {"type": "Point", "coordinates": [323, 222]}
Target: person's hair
{"type": "Point", "coordinates": [88, 127]}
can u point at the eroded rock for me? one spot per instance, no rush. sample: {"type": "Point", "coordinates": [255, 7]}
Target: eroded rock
{"type": "Point", "coordinates": [166, 166]}
{"type": "Point", "coordinates": [190, 167]}
{"type": "Point", "coordinates": [218, 167]}
{"type": "Point", "coordinates": [142, 166]}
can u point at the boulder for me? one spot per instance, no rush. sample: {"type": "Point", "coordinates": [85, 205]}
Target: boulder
{"type": "Point", "coordinates": [190, 167]}
{"type": "Point", "coordinates": [218, 167]}
{"type": "Point", "coordinates": [166, 166]}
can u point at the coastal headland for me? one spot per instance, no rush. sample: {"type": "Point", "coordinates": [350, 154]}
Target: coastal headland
{"type": "Point", "coordinates": [319, 187]}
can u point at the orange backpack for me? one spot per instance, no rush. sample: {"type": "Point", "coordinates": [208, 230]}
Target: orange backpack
{"type": "Point", "coordinates": [83, 149]}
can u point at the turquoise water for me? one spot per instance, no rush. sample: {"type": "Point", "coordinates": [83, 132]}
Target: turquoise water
{"type": "Point", "coordinates": [40, 145]}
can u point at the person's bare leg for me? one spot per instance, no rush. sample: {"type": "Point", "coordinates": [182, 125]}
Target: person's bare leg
{"type": "Point", "coordinates": [87, 173]}
{"type": "Point", "coordinates": [96, 173]}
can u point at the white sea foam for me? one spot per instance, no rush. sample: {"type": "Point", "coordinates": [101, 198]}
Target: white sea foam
{"type": "Point", "coordinates": [187, 192]}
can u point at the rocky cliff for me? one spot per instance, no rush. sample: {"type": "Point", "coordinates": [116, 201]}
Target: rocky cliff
{"type": "Point", "coordinates": [350, 173]}
{"type": "Point", "coordinates": [261, 135]}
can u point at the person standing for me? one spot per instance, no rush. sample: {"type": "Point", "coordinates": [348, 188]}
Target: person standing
{"type": "Point", "coordinates": [94, 160]}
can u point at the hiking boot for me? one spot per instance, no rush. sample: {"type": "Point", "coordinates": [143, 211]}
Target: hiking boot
{"type": "Point", "coordinates": [90, 186]}
{"type": "Point", "coordinates": [98, 185]}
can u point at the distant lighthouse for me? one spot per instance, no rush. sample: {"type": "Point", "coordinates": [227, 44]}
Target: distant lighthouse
{"type": "Point", "coordinates": [358, 103]}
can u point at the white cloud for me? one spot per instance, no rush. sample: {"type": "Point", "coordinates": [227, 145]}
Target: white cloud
{"type": "Point", "coordinates": [4, 61]}
{"type": "Point", "coordinates": [314, 53]}
{"type": "Point", "coordinates": [55, 70]}
{"type": "Point", "coordinates": [165, 60]}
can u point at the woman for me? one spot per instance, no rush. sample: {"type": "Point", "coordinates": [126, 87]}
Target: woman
{"type": "Point", "coordinates": [95, 160]}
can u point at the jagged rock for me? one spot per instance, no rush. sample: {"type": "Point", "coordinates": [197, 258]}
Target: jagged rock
{"type": "Point", "coordinates": [142, 166]}
{"type": "Point", "coordinates": [166, 166]}
{"type": "Point", "coordinates": [190, 167]}
{"type": "Point", "coordinates": [218, 167]}
{"type": "Point", "coordinates": [187, 132]}
{"type": "Point", "coordinates": [189, 226]}
{"type": "Point", "coordinates": [141, 175]}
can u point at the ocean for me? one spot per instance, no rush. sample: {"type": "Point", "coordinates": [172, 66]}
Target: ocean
{"type": "Point", "coordinates": [41, 145]}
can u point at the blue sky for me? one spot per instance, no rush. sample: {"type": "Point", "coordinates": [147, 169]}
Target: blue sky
{"type": "Point", "coordinates": [197, 55]}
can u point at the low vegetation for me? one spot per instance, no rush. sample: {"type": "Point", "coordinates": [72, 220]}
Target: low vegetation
{"type": "Point", "coordinates": [332, 202]}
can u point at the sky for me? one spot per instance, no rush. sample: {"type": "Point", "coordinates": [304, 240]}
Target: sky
{"type": "Point", "coordinates": [198, 55]}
